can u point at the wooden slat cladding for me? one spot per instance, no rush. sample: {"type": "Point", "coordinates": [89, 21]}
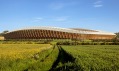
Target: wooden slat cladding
{"type": "Point", "coordinates": [50, 34]}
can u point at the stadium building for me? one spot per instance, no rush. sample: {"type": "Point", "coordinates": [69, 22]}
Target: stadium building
{"type": "Point", "coordinates": [58, 33]}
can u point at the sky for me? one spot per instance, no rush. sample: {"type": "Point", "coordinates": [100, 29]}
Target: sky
{"type": "Point", "coordinates": [90, 14]}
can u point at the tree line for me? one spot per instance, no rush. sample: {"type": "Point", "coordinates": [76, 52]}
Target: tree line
{"type": "Point", "coordinates": [4, 32]}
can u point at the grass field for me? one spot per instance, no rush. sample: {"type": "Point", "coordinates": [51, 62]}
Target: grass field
{"type": "Point", "coordinates": [44, 57]}
{"type": "Point", "coordinates": [96, 57]}
{"type": "Point", "coordinates": [19, 57]}
{"type": "Point", "coordinates": [21, 51]}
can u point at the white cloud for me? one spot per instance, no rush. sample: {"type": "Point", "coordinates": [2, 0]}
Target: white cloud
{"type": "Point", "coordinates": [55, 19]}
{"type": "Point", "coordinates": [38, 19]}
{"type": "Point", "coordinates": [60, 5]}
{"type": "Point", "coordinates": [98, 4]}
{"type": "Point", "coordinates": [62, 19]}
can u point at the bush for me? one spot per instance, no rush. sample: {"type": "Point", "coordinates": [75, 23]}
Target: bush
{"type": "Point", "coordinates": [87, 43]}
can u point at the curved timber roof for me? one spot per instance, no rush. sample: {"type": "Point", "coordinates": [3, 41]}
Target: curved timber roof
{"type": "Point", "coordinates": [69, 30]}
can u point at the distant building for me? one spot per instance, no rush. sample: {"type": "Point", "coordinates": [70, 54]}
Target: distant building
{"type": "Point", "coordinates": [58, 33]}
{"type": "Point", "coordinates": [1, 38]}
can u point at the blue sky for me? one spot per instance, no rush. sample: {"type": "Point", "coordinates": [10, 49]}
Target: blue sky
{"type": "Point", "coordinates": [90, 14]}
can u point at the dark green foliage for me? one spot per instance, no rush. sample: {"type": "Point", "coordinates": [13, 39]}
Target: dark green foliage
{"type": "Point", "coordinates": [117, 34]}
{"type": "Point", "coordinates": [4, 32]}
{"type": "Point", "coordinates": [87, 43]}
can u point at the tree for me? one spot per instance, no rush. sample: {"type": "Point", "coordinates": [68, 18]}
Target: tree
{"type": "Point", "coordinates": [117, 37]}
{"type": "Point", "coordinates": [4, 32]}
{"type": "Point", "coordinates": [117, 34]}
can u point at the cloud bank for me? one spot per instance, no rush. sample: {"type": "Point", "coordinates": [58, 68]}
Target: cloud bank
{"type": "Point", "coordinates": [98, 4]}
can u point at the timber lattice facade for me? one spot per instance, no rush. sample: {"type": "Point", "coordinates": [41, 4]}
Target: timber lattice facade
{"type": "Point", "coordinates": [52, 34]}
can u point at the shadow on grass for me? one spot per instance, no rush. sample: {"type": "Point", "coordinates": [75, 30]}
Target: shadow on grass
{"type": "Point", "coordinates": [67, 61]}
